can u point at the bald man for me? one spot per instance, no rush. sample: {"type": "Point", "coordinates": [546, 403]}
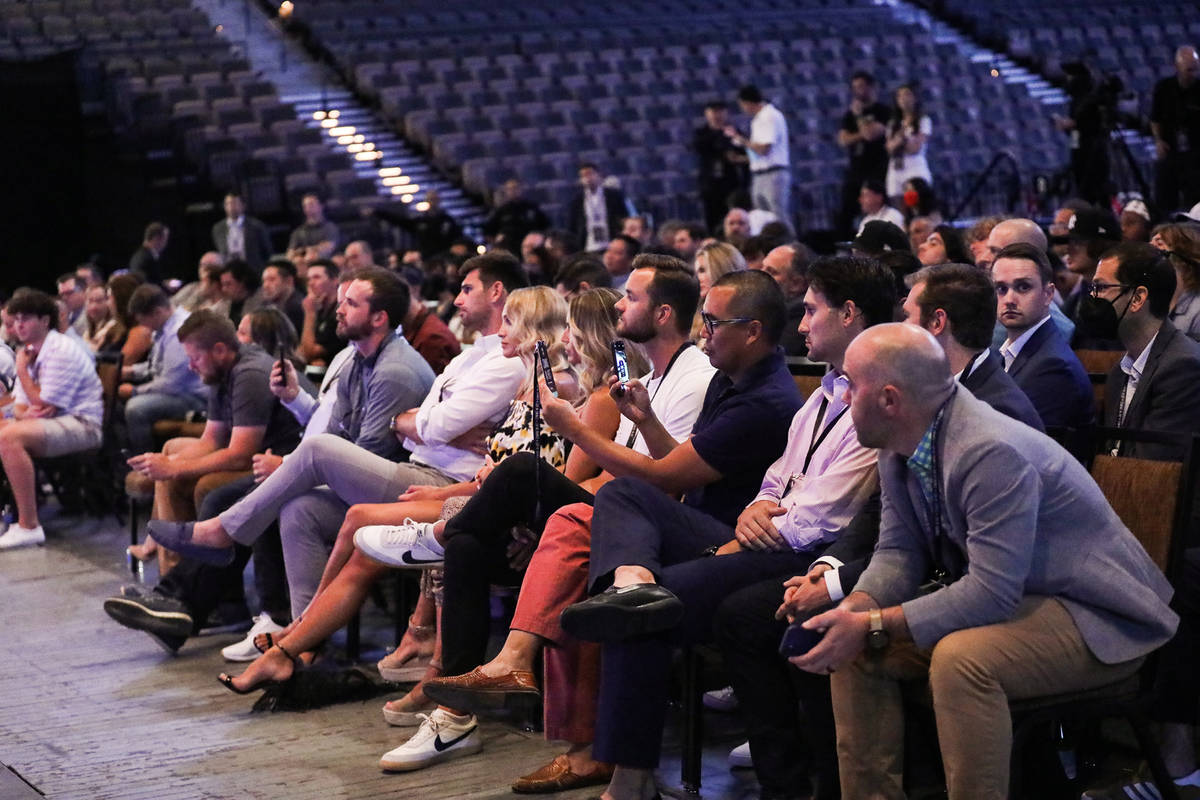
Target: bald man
{"type": "Point", "coordinates": [1026, 584]}
{"type": "Point", "coordinates": [1011, 231]}
{"type": "Point", "coordinates": [1175, 123]}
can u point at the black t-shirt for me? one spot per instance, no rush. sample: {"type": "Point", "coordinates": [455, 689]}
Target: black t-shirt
{"type": "Point", "coordinates": [326, 330]}
{"type": "Point", "coordinates": [514, 220]}
{"type": "Point", "coordinates": [742, 429]}
{"type": "Point", "coordinates": [1177, 112]}
{"type": "Point", "coordinates": [868, 159]}
{"type": "Point", "coordinates": [244, 399]}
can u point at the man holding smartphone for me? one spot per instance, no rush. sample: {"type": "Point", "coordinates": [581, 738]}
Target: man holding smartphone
{"type": "Point", "coordinates": [660, 569]}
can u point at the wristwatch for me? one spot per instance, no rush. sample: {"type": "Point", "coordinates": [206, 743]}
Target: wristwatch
{"type": "Point", "coordinates": [877, 637]}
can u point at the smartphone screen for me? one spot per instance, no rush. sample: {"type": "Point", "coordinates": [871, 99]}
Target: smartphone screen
{"type": "Point", "coordinates": [620, 365]}
{"type": "Point", "coordinates": [543, 357]}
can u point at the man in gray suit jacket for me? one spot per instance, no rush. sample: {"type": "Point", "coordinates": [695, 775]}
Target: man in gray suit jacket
{"type": "Point", "coordinates": [1155, 385]}
{"type": "Point", "coordinates": [239, 235]}
{"type": "Point", "coordinates": [1043, 589]}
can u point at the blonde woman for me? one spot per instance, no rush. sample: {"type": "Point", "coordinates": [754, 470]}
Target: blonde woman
{"type": "Point", "coordinates": [1181, 242]}
{"type": "Point", "coordinates": [532, 314]}
{"type": "Point", "coordinates": [712, 261]}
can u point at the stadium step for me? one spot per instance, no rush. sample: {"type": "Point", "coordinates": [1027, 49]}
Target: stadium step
{"type": "Point", "coordinates": [1054, 99]}
{"type": "Point", "coordinates": [323, 103]}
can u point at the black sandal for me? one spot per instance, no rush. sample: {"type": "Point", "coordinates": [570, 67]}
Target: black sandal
{"type": "Point", "coordinates": [227, 680]}
{"type": "Point", "coordinates": [270, 640]}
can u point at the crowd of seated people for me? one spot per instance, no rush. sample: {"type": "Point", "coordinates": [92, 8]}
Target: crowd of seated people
{"type": "Point", "coordinates": [915, 510]}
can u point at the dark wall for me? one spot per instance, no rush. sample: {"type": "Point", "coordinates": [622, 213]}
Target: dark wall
{"type": "Point", "coordinates": [41, 164]}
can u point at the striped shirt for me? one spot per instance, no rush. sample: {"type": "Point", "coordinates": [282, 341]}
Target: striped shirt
{"type": "Point", "coordinates": [66, 379]}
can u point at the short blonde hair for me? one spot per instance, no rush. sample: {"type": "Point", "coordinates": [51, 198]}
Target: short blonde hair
{"type": "Point", "coordinates": [722, 259]}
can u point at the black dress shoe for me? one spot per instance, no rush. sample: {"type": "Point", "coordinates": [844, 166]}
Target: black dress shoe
{"type": "Point", "coordinates": [177, 536]}
{"type": "Point", "coordinates": [616, 614]}
{"type": "Point", "coordinates": [152, 612]}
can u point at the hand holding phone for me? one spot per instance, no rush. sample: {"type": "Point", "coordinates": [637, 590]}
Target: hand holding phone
{"type": "Point", "coordinates": [542, 354]}
{"type": "Point", "coordinates": [798, 640]}
{"type": "Point", "coordinates": [620, 364]}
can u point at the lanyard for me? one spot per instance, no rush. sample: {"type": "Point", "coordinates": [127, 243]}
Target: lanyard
{"type": "Point", "coordinates": [814, 442]}
{"type": "Point", "coordinates": [634, 433]}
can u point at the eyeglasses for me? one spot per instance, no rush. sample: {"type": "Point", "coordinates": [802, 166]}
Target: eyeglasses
{"type": "Point", "coordinates": [1097, 288]}
{"type": "Point", "coordinates": [711, 323]}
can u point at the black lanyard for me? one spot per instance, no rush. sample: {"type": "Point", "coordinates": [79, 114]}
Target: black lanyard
{"type": "Point", "coordinates": [634, 433]}
{"type": "Point", "coordinates": [818, 436]}
{"type": "Point", "coordinates": [815, 440]}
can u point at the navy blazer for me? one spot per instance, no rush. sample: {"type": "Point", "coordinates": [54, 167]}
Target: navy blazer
{"type": "Point", "coordinates": [991, 384]}
{"type": "Point", "coordinates": [255, 237]}
{"type": "Point", "coordinates": [1167, 396]}
{"type": "Point", "coordinates": [615, 208]}
{"type": "Point", "coordinates": [1051, 376]}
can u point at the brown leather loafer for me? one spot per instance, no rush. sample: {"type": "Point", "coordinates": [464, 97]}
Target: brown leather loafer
{"type": "Point", "coordinates": [558, 777]}
{"type": "Point", "coordinates": [478, 692]}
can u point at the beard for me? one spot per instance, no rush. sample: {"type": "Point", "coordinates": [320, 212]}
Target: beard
{"type": "Point", "coordinates": [352, 333]}
{"type": "Point", "coordinates": [638, 331]}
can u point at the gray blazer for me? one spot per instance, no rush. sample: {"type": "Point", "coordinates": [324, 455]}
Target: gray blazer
{"type": "Point", "coordinates": [1023, 517]}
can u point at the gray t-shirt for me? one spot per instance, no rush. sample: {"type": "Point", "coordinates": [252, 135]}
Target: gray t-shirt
{"type": "Point", "coordinates": [244, 399]}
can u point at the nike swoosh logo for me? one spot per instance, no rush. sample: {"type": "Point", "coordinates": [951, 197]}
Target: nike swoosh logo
{"type": "Point", "coordinates": [407, 558]}
{"type": "Point", "coordinates": [441, 746]}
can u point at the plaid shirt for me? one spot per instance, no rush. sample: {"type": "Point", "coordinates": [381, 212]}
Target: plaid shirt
{"type": "Point", "coordinates": [921, 461]}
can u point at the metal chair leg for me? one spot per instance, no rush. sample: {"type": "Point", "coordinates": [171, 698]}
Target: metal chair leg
{"type": "Point", "coordinates": [693, 721]}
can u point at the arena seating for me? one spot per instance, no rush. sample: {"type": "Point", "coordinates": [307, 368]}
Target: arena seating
{"type": "Point", "coordinates": [1137, 46]}
{"type": "Point", "coordinates": [490, 93]}
{"type": "Point", "coordinates": [175, 88]}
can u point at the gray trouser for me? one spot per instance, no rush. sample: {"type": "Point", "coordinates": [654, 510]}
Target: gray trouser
{"type": "Point", "coordinates": [771, 191]}
{"type": "Point", "coordinates": [309, 495]}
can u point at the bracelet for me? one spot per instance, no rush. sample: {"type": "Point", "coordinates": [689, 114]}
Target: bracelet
{"type": "Point", "coordinates": [415, 628]}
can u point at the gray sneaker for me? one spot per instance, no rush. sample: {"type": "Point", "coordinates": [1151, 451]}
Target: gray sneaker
{"type": "Point", "coordinates": [153, 613]}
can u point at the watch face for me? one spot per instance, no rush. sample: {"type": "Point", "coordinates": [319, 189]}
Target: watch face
{"type": "Point", "coordinates": [877, 640]}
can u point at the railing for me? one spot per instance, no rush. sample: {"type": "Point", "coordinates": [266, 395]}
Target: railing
{"type": "Point", "coordinates": [1013, 195]}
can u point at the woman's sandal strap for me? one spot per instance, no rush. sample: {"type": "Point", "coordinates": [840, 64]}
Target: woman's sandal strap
{"type": "Point", "coordinates": [284, 650]}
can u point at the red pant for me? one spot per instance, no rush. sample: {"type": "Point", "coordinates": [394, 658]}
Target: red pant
{"type": "Point", "coordinates": [557, 577]}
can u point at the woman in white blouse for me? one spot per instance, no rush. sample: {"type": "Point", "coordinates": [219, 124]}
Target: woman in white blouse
{"type": "Point", "coordinates": [907, 133]}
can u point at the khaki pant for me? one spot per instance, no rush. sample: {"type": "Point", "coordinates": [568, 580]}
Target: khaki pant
{"type": "Point", "coordinates": [972, 674]}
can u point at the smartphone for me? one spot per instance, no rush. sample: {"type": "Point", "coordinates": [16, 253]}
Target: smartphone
{"type": "Point", "coordinates": [543, 358]}
{"type": "Point", "coordinates": [797, 640]}
{"type": "Point", "coordinates": [620, 365]}
{"type": "Point", "coordinates": [282, 369]}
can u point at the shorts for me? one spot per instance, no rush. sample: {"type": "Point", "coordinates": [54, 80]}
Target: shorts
{"type": "Point", "coordinates": [68, 434]}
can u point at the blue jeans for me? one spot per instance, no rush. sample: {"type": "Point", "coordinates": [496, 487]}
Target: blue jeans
{"type": "Point", "coordinates": [143, 410]}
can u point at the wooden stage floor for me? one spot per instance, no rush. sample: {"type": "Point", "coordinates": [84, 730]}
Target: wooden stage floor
{"type": "Point", "coordinates": [89, 709]}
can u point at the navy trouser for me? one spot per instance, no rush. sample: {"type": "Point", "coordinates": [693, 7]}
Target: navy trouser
{"type": "Point", "coordinates": [638, 524]}
{"type": "Point", "coordinates": [788, 713]}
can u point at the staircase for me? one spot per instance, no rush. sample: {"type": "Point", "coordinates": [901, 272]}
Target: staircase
{"type": "Point", "coordinates": [322, 103]}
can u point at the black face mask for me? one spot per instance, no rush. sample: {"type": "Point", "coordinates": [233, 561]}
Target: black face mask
{"type": "Point", "coordinates": [1098, 317]}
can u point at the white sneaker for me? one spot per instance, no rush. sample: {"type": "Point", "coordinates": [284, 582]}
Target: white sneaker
{"type": "Point", "coordinates": [441, 737]}
{"type": "Point", "coordinates": [16, 536]}
{"type": "Point", "coordinates": [721, 700]}
{"type": "Point", "coordinates": [245, 649]}
{"type": "Point", "coordinates": [409, 545]}
{"type": "Point", "coordinates": [739, 757]}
